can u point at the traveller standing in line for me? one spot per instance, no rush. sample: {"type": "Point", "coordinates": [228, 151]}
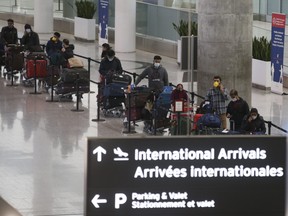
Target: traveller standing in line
{"type": "Point", "coordinates": [218, 95]}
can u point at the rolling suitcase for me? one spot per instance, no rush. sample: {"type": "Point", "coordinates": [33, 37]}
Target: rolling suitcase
{"type": "Point", "coordinates": [113, 101]}
{"type": "Point", "coordinates": [138, 97]}
{"type": "Point", "coordinates": [15, 61]}
{"type": "Point", "coordinates": [135, 114]}
{"type": "Point", "coordinates": [114, 89]}
{"type": "Point", "coordinates": [41, 68]}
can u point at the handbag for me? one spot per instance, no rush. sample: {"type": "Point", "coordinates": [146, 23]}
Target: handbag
{"type": "Point", "coordinates": [75, 63]}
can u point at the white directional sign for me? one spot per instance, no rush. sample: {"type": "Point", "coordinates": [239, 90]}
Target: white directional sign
{"type": "Point", "coordinates": [184, 176]}
{"type": "Point", "coordinates": [99, 151]}
{"type": "Point", "coordinates": [96, 201]}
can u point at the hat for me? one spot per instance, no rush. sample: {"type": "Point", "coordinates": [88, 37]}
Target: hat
{"type": "Point", "coordinates": [27, 26]}
{"type": "Point", "coordinates": [254, 110]}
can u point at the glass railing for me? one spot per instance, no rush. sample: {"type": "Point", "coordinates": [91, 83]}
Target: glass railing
{"type": "Point", "coordinates": [27, 7]}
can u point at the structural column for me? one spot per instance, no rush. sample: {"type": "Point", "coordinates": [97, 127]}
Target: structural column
{"type": "Point", "coordinates": [43, 16]}
{"type": "Point", "coordinates": [225, 45]}
{"type": "Point", "coordinates": [125, 26]}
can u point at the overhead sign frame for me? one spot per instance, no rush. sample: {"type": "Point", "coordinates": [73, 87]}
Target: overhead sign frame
{"type": "Point", "coordinates": [219, 175]}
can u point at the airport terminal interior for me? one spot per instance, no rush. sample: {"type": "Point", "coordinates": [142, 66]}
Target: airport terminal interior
{"type": "Point", "coordinates": [42, 146]}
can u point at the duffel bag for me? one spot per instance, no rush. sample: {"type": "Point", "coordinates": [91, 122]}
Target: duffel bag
{"type": "Point", "coordinates": [69, 75]}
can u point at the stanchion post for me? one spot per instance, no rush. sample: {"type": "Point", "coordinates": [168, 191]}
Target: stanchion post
{"type": "Point", "coordinates": [98, 106]}
{"type": "Point", "coordinates": [269, 127]}
{"type": "Point", "coordinates": [134, 77]}
{"type": "Point", "coordinates": [89, 71]}
{"type": "Point", "coordinates": [154, 114]}
{"type": "Point", "coordinates": [52, 85]}
{"type": "Point", "coordinates": [77, 95]}
{"type": "Point", "coordinates": [129, 115]}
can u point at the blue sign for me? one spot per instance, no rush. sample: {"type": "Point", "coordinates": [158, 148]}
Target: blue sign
{"type": "Point", "coordinates": [277, 51]}
{"type": "Point", "coordinates": [103, 20]}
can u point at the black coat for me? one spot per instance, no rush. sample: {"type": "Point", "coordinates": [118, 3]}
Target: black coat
{"type": "Point", "coordinates": [238, 109]}
{"type": "Point", "coordinates": [68, 52]}
{"type": "Point", "coordinates": [31, 41]}
{"type": "Point", "coordinates": [9, 35]}
{"type": "Point", "coordinates": [108, 68]}
{"type": "Point", "coordinates": [254, 126]}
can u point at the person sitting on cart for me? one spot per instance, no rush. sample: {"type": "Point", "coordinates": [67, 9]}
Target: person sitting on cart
{"type": "Point", "coordinates": [30, 40]}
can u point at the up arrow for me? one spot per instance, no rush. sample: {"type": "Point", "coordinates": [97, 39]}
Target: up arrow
{"type": "Point", "coordinates": [99, 151]}
{"type": "Point", "coordinates": [96, 201]}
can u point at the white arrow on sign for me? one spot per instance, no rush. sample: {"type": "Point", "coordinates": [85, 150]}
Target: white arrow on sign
{"type": "Point", "coordinates": [97, 201]}
{"type": "Point", "coordinates": [99, 151]}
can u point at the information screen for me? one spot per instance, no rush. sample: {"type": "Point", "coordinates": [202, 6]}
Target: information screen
{"type": "Point", "coordinates": [231, 175]}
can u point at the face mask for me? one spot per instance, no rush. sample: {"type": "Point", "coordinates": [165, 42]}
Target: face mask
{"type": "Point", "coordinates": [254, 117]}
{"type": "Point", "coordinates": [234, 99]}
{"type": "Point", "coordinates": [110, 59]}
{"type": "Point", "coordinates": [156, 65]}
{"type": "Point", "coordinates": [28, 30]}
{"type": "Point", "coordinates": [216, 84]}
{"type": "Point", "coordinates": [54, 39]}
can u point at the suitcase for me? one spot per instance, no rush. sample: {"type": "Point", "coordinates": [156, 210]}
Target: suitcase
{"type": "Point", "coordinates": [41, 68]}
{"type": "Point", "coordinates": [121, 78]}
{"type": "Point", "coordinates": [209, 120]}
{"type": "Point", "coordinates": [195, 120]}
{"type": "Point", "coordinates": [183, 127]}
{"type": "Point", "coordinates": [15, 61]}
{"type": "Point", "coordinates": [69, 75]}
{"type": "Point", "coordinates": [111, 102]}
{"type": "Point", "coordinates": [114, 89]}
{"type": "Point", "coordinates": [138, 97]}
{"type": "Point", "coordinates": [136, 114]}
{"type": "Point", "coordinates": [70, 88]}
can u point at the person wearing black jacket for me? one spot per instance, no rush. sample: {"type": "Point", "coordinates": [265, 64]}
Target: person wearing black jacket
{"type": "Point", "coordinates": [253, 123]}
{"type": "Point", "coordinates": [236, 109]}
{"type": "Point", "coordinates": [67, 50]}
{"type": "Point", "coordinates": [30, 39]}
{"type": "Point", "coordinates": [9, 34]}
{"type": "Point", "coordinates": [110, 65]}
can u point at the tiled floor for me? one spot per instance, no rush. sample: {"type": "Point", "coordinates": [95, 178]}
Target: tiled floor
{"type": "Point", "coordinates": [42, 145]}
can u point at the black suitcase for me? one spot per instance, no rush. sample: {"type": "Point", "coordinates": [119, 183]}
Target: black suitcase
{"type": "Point", "coordinates": [139, 97]}
{"type": "Point", "coordinates": [15, 61]}
{"type": "Point", "coordinates": [69, 75]}
{"type": "Point", "coordinates": [121, 78]}
{"type": "Point", "coordinates": [111, 102]}
{"type": "Point", "coordinates": [70, 88]}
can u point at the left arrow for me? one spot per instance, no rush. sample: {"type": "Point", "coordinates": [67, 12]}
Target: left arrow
{"type": "Point", "coordinates": [99, 151]}
{"type": "Point", "coordinates": [96, 201]}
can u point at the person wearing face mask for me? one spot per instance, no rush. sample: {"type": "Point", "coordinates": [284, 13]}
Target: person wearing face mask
{"type": "Point", "coordinates": [179, 94]}
{"type": "Point", "coordinates": [236, 110]}
{"type": "Point", "coordinates": [253, 123]}
{"type": "Point", "coordinates": [9, 34]}
{"type": "Point", "coordinates": [30, 40]}
{"type": "Point", "coordinates": [218, 95]}
{"type": "Point", "coordinates": [157, 75]}
{"type": "Point", "coordinates": [110, 65]}
{"type": "Point", "coordinates": [53, 49]}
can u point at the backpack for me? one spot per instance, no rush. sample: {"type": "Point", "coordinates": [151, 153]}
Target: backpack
{"type": "Point", "coordinates": [209, 120]}
{"type": "Point", "coordinates": [205, 107]}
